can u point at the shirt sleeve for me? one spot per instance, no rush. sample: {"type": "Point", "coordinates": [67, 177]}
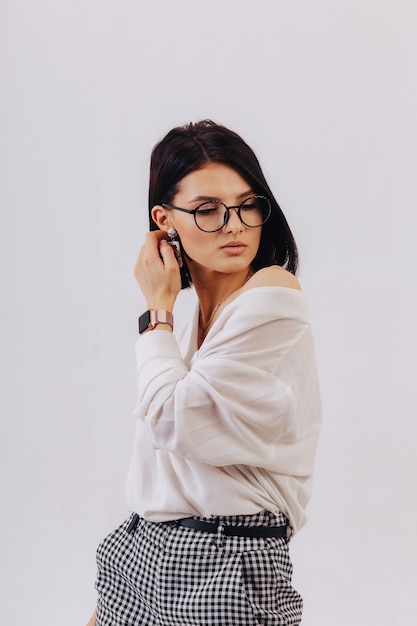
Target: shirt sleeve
{"type": "Point", "coordinates": [239, 394]}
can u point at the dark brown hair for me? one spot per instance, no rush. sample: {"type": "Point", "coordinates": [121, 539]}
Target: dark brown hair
{"type": "Point", "coordinates": [188, 148]}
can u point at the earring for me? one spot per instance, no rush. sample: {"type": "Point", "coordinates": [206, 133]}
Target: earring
{"type": "Point", "coordinates": [175, 244]}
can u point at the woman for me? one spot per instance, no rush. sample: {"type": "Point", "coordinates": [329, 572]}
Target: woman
{"type": "Point", "coordinates": [228, 412]}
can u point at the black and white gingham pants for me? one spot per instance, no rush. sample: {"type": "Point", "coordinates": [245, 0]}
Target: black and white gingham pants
{"type": "Point", "coordinates": [168, 575]}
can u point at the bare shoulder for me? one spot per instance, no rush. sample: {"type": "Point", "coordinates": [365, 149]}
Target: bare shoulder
{"type": "Point", "coordinates": [274, 276]}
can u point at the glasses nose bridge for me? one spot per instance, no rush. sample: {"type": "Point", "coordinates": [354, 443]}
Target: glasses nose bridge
{"type": "Point", "coordinates": [236, 207]}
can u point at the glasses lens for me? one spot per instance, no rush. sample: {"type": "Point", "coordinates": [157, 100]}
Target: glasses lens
{"type": "Point", "coordinates": [255, 211]}
{"type": "Point", "coordinates": [210, 216]}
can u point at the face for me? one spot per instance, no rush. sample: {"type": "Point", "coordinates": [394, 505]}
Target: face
{"type": "Point", "coordinates": [229, 250]}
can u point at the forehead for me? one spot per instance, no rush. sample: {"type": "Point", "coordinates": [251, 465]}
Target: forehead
{"type": "Point", "coordinates": [214, 180]}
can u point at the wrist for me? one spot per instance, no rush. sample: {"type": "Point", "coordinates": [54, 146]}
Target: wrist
{"type": "Point", "coordinates": [153, 318]}
{"type": "Point", "coordinates": [160, 305]}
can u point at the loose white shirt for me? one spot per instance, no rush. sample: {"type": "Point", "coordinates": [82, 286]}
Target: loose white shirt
{"type": "Point", "coordinates": [230, 428]}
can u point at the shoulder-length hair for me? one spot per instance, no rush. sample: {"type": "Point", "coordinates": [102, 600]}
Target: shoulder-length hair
{"type": "Point", "coordinates": [188, 148]}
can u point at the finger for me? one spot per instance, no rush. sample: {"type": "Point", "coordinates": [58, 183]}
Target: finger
{"type": "Point", "coordinates": [153, 237]}
{"type": "Point", "coordinates": [168, 255]}
{"type": "Point", "coordinates": [140, 257]}
{"type": "Point", "coordinates": [150, 249]}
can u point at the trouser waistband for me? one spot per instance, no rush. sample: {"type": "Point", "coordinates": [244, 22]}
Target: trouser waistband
{"type": "Point", "coordinates": [283, 530]}
{"type": "Point", "coordinates": [235, 531]}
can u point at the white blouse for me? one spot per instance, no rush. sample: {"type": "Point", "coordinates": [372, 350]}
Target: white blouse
{"type": "Point", "coordinates": [230, 428]}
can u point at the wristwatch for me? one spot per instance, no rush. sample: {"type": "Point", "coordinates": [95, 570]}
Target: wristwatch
{"type": "Point", "coordinates": [149, 319]}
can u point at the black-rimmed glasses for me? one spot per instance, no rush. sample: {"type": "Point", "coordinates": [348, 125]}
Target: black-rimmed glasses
{"type": "Point", "coordinates": [212, 215]}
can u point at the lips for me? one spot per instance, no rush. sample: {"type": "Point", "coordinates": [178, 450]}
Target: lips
{"type": "Point", "coordinates": [234, 248]}
{"type": "Point", "coordinates": [234, 244]}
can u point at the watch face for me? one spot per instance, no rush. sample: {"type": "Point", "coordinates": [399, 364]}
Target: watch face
{"type": "Point", "coordinates": [144, 322]}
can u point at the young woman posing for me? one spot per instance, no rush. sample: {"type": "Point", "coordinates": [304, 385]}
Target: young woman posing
{"type": "Point", "coordinates": [229, 408]}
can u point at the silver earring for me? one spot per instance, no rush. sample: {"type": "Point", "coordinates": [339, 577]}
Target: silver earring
{"type": "Point", "coordinates": [175, 244]}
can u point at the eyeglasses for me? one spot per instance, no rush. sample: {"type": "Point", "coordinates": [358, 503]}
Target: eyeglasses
{"type": "Point", "coordinates": [212, 215]}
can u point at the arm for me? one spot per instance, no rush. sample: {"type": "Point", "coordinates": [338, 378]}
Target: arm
{"type": "Point", "coordinates": [238, 397]}
{"type": "Point", "coordinates": [157, 273]}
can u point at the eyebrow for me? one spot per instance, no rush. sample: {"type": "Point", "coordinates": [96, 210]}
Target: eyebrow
{"type": "Point", "coordinates": [245, 194]}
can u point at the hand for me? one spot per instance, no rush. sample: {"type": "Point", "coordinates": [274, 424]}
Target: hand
{"type": "Point", "coordinates": [157, 272]}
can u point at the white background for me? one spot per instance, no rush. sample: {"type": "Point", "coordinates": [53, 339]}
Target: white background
{"type": "Point", "coordinates": [326, 94]}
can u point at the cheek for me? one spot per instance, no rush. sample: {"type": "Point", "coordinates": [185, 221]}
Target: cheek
{"type": "Point", "coordinates": [193, 241]}
{"type": "Point", "coordinates": [195, 247]}
{"type": "Point", "coordinates": [255, 242]}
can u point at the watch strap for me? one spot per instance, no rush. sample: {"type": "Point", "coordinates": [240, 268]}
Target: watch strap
{"type": "Point", "coordinates": [151, 318]}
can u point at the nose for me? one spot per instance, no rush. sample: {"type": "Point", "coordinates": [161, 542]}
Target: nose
{"type": "Point", "coordinates": [234, 223]}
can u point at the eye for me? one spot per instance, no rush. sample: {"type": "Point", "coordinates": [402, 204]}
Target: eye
{"type": "Point", "coordinates": [208, 208]}
{"type": "Point", "coordinates": [250, 204]}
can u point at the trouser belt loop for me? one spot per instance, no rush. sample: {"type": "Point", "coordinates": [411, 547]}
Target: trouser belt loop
{"type": "Point", "coordinates": [133, 524]}
{"type": "Point", "coordinates": [220, 535]}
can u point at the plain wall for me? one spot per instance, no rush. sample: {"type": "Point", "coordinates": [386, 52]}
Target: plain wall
{"type": "Point", "coordinates": [326, 94]}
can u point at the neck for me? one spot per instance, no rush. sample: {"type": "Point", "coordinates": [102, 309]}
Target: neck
{"type": "Point", "coordinates": [214, 289]}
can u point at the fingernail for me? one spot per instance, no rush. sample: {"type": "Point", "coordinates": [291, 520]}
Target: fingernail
{"type": "Point", "coordinates": [163, 242]}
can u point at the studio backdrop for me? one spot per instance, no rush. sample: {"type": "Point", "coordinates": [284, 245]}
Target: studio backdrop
{"type": "Point", "coordinates": [326, 93]}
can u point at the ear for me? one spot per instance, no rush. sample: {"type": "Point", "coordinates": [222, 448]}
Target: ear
{"type": "Point", "coordinates": [160, 217]}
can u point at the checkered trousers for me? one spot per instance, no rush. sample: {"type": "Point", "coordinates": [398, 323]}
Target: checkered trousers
{"type": "Point", "coordinates": [167, 575]}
